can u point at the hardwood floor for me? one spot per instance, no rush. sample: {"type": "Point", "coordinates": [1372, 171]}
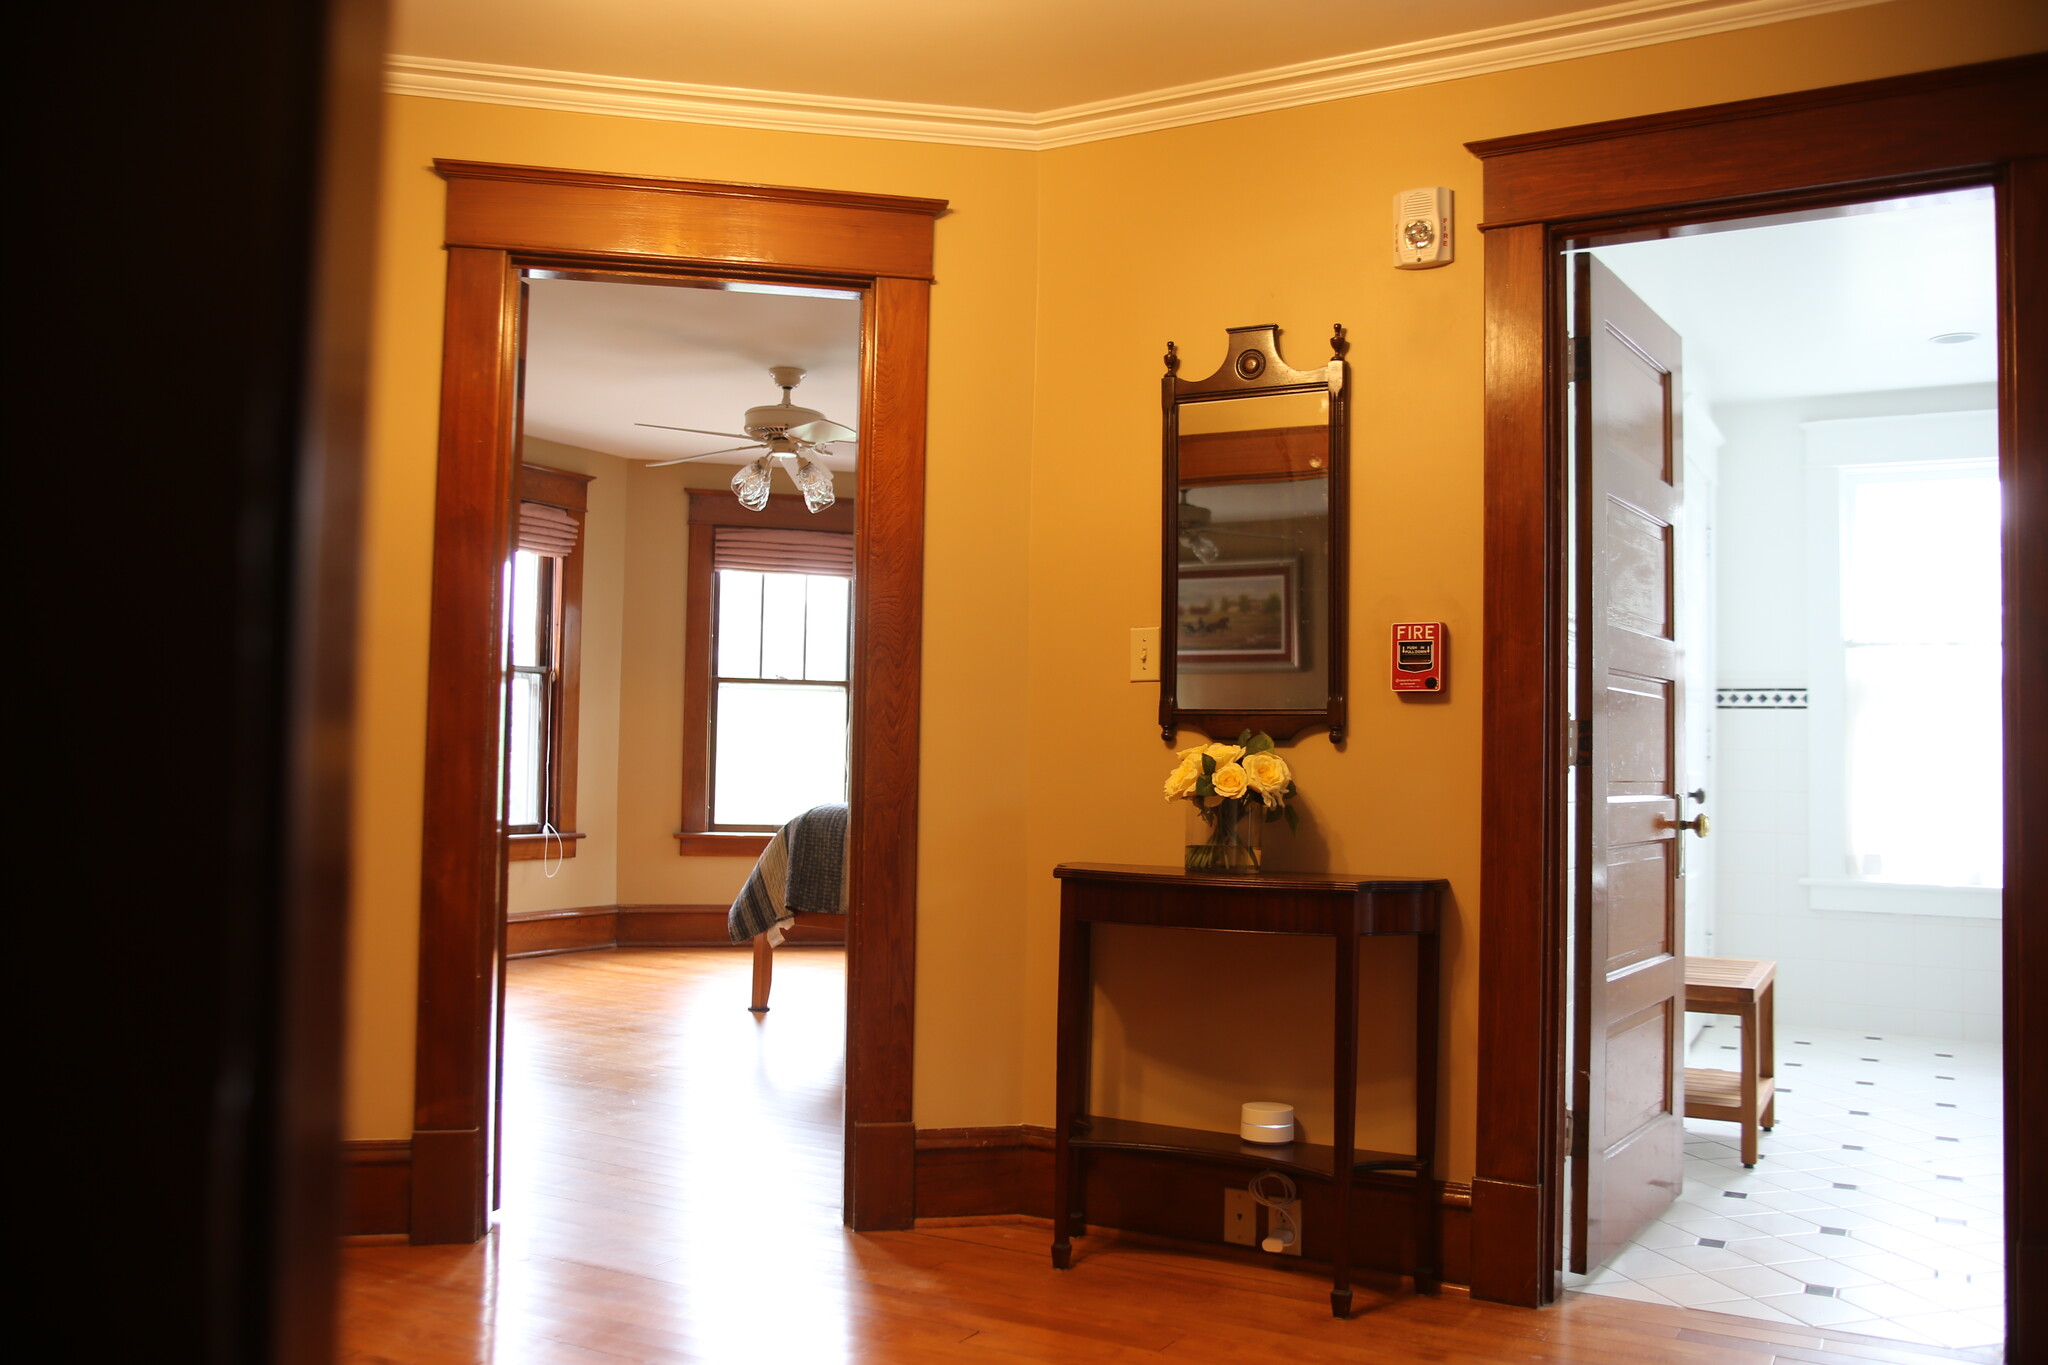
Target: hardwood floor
{"type": "Point", "coordinates": [672, 1187]}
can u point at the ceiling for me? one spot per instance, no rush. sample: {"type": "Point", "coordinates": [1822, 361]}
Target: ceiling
{"type": "Point", "coordinates": [1838, 304]}
{"type": "Point", "coordinates": [1026, 56]}
{"type": "Point", "coordinates": [602, 357]}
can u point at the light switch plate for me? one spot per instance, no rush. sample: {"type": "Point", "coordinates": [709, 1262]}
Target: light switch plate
{"type": "Point", "coordinates": [1144, 653]}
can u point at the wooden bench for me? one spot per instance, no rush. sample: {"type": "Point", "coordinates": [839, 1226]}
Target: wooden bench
{"type": "Point", "coordinates": [1748, 1096]}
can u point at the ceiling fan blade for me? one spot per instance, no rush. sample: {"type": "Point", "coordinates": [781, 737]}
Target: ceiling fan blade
{"type": "Point", "coordinates": [664, 464]}
{"type": "Point", "coordinates": [735, 435]}
{"type": "Point", "coordinates": [821, 431]}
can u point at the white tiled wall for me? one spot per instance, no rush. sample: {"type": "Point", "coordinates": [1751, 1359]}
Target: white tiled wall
{"type": "Point", "coordinates": [1871, 973]}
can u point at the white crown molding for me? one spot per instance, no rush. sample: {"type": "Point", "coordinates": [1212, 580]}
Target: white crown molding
{"type": "Point", "coordinates": [1585, 33]}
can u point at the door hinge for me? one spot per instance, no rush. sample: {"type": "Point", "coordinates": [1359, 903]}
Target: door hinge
{"type": "Point", "coordinates": [1578, 742]}
{"type": "Point", "coordinates": [1582, 359]}
{"type": "Point", "coordinates": [1571, 1132]}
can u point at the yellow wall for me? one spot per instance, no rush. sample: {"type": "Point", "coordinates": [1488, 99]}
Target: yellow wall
{"type": "Point", "coordinates": [980, 427]}
{"type": "Point", "coordinates": [1061, 276]}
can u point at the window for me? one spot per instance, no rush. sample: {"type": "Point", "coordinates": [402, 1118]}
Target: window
{"type": "Point", "coordinates": [543, 626]}
{"type": "Point", "coordinates": [1907, 739]}
{"type": "Point", "coordinates": [768, 660]}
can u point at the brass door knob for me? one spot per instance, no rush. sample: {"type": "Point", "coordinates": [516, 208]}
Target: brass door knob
{"type": "Point", "coordinates": [1698, 825]}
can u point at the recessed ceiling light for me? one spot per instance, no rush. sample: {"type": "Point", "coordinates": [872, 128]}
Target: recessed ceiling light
{"type": "Point", "coordinates": [1954, 338]}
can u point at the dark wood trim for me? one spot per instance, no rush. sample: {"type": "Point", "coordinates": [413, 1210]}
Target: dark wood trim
{"type": "Point", "coordinates": [702, 222]}
{"type": "Point", "coordinates": [543, 933]}
{"type": "Point", "coordinates": [569, 491]}
{"type": "Point", "coordinates": [1982, 124]}
{"type": "Point", "coordinates": [1962, 118]}
{"type": "Point", "coordinates": [462, 891]}
{"type": "Point", "coordinates": [540, 933]}
{"type": "Point", "coordinates": [536, 848]}
{"type": "Point", "coordinates": [970, 1172]}
{"type": "Point", "coordinates": [2023, 465]}
{"type": "Point", "coordinates": [784, 512]}
{"type": "Point", "coordinates": [888, 597]}
{"type": "Point", "coordinates": [719, 843]}
{"type": "Point", "coordinates": [563, 488]}
{"type": "Point", "coordinates": [1521, 863]}
{"type": "Point", "coordinates": [1007, 1170]}
{"type": "Point", "coordinates": [1275, 455]}
{"type": "Point", "coordinates": [500, 220]}
{"type": "Point", "coordinates": [376, 1188]}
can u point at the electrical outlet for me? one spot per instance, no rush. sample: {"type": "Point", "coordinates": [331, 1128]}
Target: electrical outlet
{"type": "Point", "coordinates": [1280, 1217]}
{"type": "Point", "coordinates": [1240, 1218]}
{"type": "Point", "coordinates": [1144, 653]}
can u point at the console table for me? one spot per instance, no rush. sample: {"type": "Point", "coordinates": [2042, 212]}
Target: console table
{"type": "Point", "coordinates": [1341, 908]}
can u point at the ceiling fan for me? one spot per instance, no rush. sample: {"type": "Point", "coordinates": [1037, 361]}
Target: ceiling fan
{"type": "Point", "coordinates": [1195, 524]}
{"type": "Point", "coordinates": [780, 431]}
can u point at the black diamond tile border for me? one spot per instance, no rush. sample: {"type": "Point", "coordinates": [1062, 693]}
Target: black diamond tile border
{"type": "Point", "coordinates": [1760, 699]}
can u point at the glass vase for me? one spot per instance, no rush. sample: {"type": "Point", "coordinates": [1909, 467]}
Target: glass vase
{"type": "Point", "coordinates": [1230, 838]}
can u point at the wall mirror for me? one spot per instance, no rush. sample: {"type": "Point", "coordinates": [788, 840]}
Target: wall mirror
{"type": "Point", "coordinates": [1252, 611]}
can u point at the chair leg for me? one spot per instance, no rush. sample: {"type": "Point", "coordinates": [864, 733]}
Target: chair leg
{"type": "Point", "coordinates": [764, 972]}
{"type": "Point", "coordinates": [1750, 1062]}
{"type": "Point", "coordinates": [1767, 1049]}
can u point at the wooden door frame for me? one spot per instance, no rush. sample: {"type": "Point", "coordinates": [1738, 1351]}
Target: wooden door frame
{"type": "Point", "coordinates": [502, 220]}
{"type": "Point", "coordinates": [1985, 124]}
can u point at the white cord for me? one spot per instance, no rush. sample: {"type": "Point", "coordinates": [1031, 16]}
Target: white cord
{"type": "Point", "coordinates": [1279, 1196]}
{"type": "Point", "coordinates": [548, 831]}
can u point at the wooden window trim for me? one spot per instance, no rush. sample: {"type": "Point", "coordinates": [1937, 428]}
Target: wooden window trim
{"type": "Point", "coordinates": [709, 508]}
{"type": "Point", "coordinates": [569, 491]}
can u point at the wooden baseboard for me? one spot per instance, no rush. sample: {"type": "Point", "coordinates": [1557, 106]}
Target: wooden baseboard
{"type": "Point", "coordinates": [376, 1185]}
{"type": "Point", "coordinates": [991, 1172]}
{"type": "Point", "coordinates": [537, 933]}
{"type": "Point", "coordinates": [968, 1172]}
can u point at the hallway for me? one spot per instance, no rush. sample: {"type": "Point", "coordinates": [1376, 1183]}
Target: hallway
{"type": "Point", "coordinates": [672, 1195]}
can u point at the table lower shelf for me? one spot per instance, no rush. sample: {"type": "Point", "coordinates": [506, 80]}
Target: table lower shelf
{"type": "Point", "coordinates": [1317, 1160]}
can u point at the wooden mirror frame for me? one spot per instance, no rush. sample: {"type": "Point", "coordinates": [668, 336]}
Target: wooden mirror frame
{"type": "Point", "coordinates": [501, 221]}
{"type": "Point", "coordinates": [1252, 368]}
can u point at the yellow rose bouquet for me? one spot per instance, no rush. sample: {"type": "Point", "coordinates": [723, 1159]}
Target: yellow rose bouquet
{"type": "Point", "coordinates": [1235, 789]}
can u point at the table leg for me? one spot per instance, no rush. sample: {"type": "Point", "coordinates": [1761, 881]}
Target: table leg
{"type": "Point", "coordinates": [1071, 1088]}
{"type": "Point", "coordinates": [1427, 1011]}
{"type": "Point", "coordinates": [1344, 1133]}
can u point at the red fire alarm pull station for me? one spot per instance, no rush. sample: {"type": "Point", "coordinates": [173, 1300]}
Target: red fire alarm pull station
{"type": "Point", "coordinates": [1419, 656]}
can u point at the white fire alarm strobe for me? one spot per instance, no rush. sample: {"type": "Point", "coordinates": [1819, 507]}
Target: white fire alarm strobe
{"type": "Point", "coordinates": [1422, 228]}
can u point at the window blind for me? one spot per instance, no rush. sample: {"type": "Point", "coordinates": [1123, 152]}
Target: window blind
{"type": "Point", "coordinates": [546, 530]}
{"type": "Point", "coordinates": [768, 550]}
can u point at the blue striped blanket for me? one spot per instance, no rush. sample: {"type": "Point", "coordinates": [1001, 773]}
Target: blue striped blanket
{"type": "Point", "coordinates": [802, 871]}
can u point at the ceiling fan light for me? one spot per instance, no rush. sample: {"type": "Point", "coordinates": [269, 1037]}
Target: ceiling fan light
{"type": "Point", "coordinates": [750, 484]}
{"type": "Point", "coordinates": [814, 481]}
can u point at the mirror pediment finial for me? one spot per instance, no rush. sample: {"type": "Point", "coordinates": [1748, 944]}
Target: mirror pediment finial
{"type": "Point", "coordinates": [1253, 597]}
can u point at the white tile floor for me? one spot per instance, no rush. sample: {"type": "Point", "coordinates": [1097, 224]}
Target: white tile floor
{"type": "Point", "coordinates": [1877, 1207]}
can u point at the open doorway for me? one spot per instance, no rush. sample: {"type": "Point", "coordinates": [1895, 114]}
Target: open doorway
{"type": "Point", "coordinates": [503, 221]}
{"type": "Point", "coordinates": [639, 793]}
{"type": "Point", "coordinates": [1830, 556]}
